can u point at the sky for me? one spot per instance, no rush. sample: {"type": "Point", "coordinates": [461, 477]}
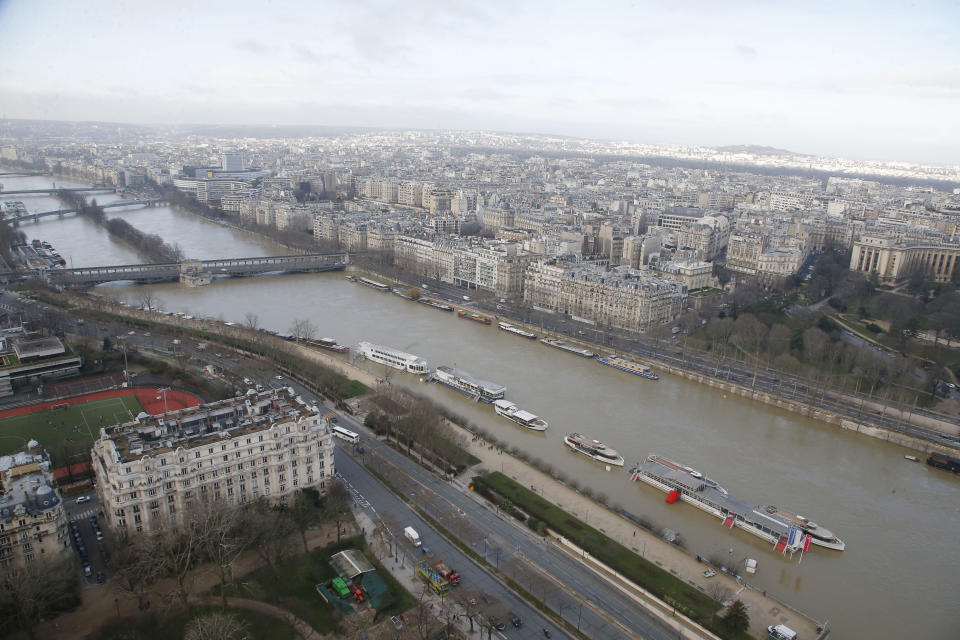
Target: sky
{"type": "Point", "coordinates": [873, 80]}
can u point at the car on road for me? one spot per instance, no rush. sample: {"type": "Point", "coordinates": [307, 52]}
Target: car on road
{"type": "Point", "coordinates": [516, 621]}
{"type": "Point", "coordinates": [83, 499]}
{"type": "Point", "coordinates": [101, 577]}
{"type": "Point", "coordinates": [87, 570]}
{"type": "Point", "coordinates": [131, 333]}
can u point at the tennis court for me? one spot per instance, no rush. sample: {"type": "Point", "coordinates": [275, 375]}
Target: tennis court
{"type": "Point", "coordinates": [72, 424]}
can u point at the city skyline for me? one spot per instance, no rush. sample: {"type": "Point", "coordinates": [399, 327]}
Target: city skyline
{"type": "Point", "coordinates": [858, 81]}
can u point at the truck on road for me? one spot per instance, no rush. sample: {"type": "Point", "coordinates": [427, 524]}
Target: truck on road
{"type": "Point", "coordinates": [452, 576]}
{"type": "Point", "coordinates": [411, 534]}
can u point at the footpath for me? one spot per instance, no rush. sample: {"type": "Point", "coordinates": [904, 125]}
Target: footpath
{"type": "Point", "coordinates": [764, 610]}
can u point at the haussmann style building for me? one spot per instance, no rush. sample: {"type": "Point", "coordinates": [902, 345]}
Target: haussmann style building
{"type": "Point", "coordinates": [152, 469]}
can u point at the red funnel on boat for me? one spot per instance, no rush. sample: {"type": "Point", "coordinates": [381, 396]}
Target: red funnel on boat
{"type": "Point", "coordinates": [673, 496]}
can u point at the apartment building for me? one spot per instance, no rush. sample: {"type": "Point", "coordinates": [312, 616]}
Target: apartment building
{"type": "Point", "coordinates": [33, 522]}
{"type": "Point", "coordinates": [623, 298]}
{"type": "Point", "coordinates": [151, 470]}
{"type": "Point", "coordinates": [708, 236]}
{"type": "Point", "coordinates": [692, 273]}
{"type": "Point", "coordinates": [744, 250]}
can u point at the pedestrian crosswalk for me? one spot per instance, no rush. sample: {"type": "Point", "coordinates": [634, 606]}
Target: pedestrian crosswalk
{"type": "Point", "coordinates": [86, 513]}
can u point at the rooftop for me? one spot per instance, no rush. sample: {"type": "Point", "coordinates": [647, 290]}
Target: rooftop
{"type": "Point", "coordinates": [204, 424]}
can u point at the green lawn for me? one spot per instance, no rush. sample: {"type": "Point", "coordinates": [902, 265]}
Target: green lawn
{"type": "Point", "coordinates": [648, 575]}
{"type": "Point", "coordinates": [172, 624]}
{"type": "Point", "coordinates": [72, 427]}
{"type": "Point", "coordinates": [291, 585]}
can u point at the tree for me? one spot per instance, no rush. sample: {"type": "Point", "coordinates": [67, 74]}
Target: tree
{"type": "Point", "coordinates": [303, 512]}
{"type": "Point", "coordinates": [251, 320]}
{"type": "Point", "coordinates": [268, 529]}
{"type": "Point", "coordinates": [133, 565]}
{"type": "Point", "coordinates": [37, 591]}
{"type": "Point", "coordinates": [216, 626]}
{"type": "Point", "coordinates": [336, 505]}
{"type": "Point", "coordinates": [218, 526]}
{"type": "Point", "coordinates": [302, 329]}
{"type": "Point", "coordinates": [736, 619]}
{"type": "Point", "coordinates": [176, 547]}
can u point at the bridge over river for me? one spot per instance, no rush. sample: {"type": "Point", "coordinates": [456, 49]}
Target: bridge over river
{"type": "Point", "coordinates": [61, 212]}
{"type": "Point", "coordinates": [198, 271]}
{"type": "Point", "coordinates": [55, 190]}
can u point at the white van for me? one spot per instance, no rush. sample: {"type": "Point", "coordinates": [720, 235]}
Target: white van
{"type": "Point", "coordinates": [781, 632]}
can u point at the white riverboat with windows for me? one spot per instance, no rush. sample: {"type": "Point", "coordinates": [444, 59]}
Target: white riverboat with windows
{"type": "Point", "coordinates": [373, 284]}
{"type": "Point", "coordinates": [393, 358]}
{"type": "Point", "coordinates": [593, 448]}
{"type": "Point", "coordinates": [787, 531]}
{"type": "Point", "coordinates": [523, 418]}
{"type": "Point", "coordinates": [466, 383]}
{"type": "Point", "coordinates": [346, 435]}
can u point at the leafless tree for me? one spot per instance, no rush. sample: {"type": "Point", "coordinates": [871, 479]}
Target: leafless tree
{"type": "Point", "coordinates": [217, 626]}
{"type": "Point", "coordinates": [304, 511]}
{"type": "Point", "coordinates": [251, 320]}
{"type": "Point", "coordinates": [268, 530]}
{"type": "Point", "coordinates": [219, 529]}
{"type": "Point", "coordinates": [147, 299]}
{"type": "Point", "coordinates": [719, 592]}
{"type": "Point", "coordinates": [132, 565]}
{"type": "Point", "coordinates": [336, 504]}
{"type": "Point", "coordinates": [34, 592]}
{"type": "Point", "coordinates": [302, 329]}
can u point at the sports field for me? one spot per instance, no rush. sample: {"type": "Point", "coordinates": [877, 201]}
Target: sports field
{"type": "Point", "coordinates": [75, 424]}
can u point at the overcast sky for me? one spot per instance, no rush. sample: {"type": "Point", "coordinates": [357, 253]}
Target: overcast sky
{"type": "Point", "coordinates": [877, 80]}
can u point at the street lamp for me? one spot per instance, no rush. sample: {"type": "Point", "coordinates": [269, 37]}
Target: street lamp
{"type": "Point", "coordinates": [163, 392]}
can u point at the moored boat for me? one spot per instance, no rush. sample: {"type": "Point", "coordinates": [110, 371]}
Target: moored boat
{"type": "Point", "coordinates": [464, 382]}
{"type": "Point", "coordinates": [629, 366]}
{"type": "Point", "coordinates": [506, 326]}
{"type": "Point", "coordinates": [436, 305]}
{"type": "Point", "coordinates": [526, 419]}
{"type": "Point", "coordinates": [476, 317]}
{"type": "Point", "coordinates": [788, 531]}
{"type": "Point", "coordinates": [373, 284]}
{"type": "Point", "coordinates": [393, 357]}
{"type": "Point", "coordinates": [560, 344]}
{"type": "Point", "coordinates": [326, 343]}
{"type": "Point", "coordinates": [593, 449]}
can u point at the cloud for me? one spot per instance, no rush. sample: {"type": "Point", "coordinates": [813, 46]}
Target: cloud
{"type": "Point", "coordinates": [746, 51]}
{"type": "Point", "coordinates": [304, 53]}
{"type": "Point", "coordinates": [249, 45]}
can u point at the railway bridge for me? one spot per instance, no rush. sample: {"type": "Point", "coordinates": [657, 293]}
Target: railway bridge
{"type": "Point", "coordinates": [197, 271]}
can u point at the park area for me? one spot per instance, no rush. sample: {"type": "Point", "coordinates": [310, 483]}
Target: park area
{"type": "Point", "coordinates": [66, 426]}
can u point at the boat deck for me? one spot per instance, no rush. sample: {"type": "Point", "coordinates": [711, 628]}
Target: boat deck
{"type": "Point", "coordinates": [676, 475]}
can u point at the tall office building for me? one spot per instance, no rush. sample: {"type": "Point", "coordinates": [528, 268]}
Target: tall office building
{"type": "Point", "coordinates": [233, 162]}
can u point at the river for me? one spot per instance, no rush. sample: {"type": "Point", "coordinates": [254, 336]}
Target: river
{"type": "Point", "coordinates": [896, 578]}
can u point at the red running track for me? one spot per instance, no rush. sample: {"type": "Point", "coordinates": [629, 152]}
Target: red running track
{"type": "Point", "coordinates": [151, 399]}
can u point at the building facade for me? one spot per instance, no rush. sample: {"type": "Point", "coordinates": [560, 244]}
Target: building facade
{"type": "Point", "coordinates": [623, 298]}
{"type": "Point", "coordinates": [892, 260]}
{"type": "Point", "coordinates": [269, 445]}
{"type": "Point", "coordinates": [33, 523]}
